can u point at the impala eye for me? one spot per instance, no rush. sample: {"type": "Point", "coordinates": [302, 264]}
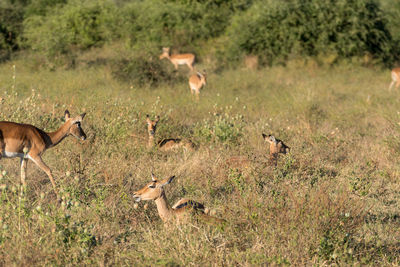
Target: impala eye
{"type": "Point", "coordinates": [152, 186]}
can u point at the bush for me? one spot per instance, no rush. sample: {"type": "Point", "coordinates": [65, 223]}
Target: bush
{"type": "Point", "coordinates": [10, 28]}
{"type": "Point", "coordinates": [144, 68]}
{"type": "Point", "coordinates": [176, 23]}
{"type": "Point", "coordinates": [76, 25]}
{"type": "Point", "coordinates": [346, 28]}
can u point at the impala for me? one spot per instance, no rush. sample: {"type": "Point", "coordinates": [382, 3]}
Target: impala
{"type": "Point", "coordinates": [182, 211]}
{"type": "Point", "coordinates": [395, 78]}
{"type": "Point", "coordinates": [165, 144]}
{"type": "Point", "coordinates": [26, 141]}
{"type": "Point", "coordinates": [178, 59]}
{"type": "Point", "coordinates": [196, 82]}
{"type": "Point", "coordinates": [276, 146]}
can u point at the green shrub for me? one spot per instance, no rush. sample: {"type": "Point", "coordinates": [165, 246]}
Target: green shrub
{"type": "Point", "coordinates": [11, 18]}
{"type": "Point", "coordinates": [76, 25]}
{"type": "Point", "coordinates": [144, 68]}
{"type": "Point", "coordinates": [278, 30]}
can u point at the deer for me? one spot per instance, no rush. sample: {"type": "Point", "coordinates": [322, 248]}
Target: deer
{"type": "Point", "coordinates": [196, 82]}
{"type": "Point", "coordinates": [276, 146]}
{"type": "Point", "coordinates": [165, 144]}
{"type": "Point", "coordinates": [26, 141]}
{"type": "Point", "coordinates": [395, 78]}
{"type": "Point", "coordinates": [182, 211]}
{"type": "Point", "coordinates": [178, 59]}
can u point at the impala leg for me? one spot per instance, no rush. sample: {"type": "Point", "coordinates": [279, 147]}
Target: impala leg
{"type": "Point", "coordinates": [197, 95]}
{"type": "Point", "coordinates": [39, 162]}
{"type": "Point", "coordinates": [397, 84]}
{"type": "Point", "coordinates": [391, 85]}
{"type": "Point", "coordinates": [24, 165]}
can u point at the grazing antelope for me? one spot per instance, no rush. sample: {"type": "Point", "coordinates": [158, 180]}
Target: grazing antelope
{"type": "Point", "coordinates": [395, 78]}
{"type": "Point", "coordinates": [178, 59]}
{"type": "Point", "coordinates": [183, 210]}
{"type": "Point", "coordinates": [165, 144]}
{"type": "Point", "coordinates": [29, 142]}
{"type": "Point", "coordinates": [276, 146]}
{"type": "Point", "coordinates": [196, 82]}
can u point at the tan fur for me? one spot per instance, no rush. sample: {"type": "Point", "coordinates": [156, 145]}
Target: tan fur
{"type": "Point", "coordinates": [196, 82]}
{"type": "Point", "coordinates": [183, 211]}
{"type": "Point", "coordinates": [178, 59]}
{"type": "Point", "coordinates": [28, 142]}
{"type": "Point", "coordinates": [276, 146]}
{"type": "Point", "coordinates": [166, 144]}
{"type": "Point", "coordinates": [395, 78]}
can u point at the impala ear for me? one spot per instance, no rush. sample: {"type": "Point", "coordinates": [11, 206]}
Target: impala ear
{"type": "Point", "coordinates": [83, 115]}
{"type": "Point", "coordinates": [148, 118]}
{"type": "Point", "coordinates": [153, 178]}
{"type": "Point", "coordinates": [157, 118]}
{"type": "Point", "coordinates": [67, 115]}
{"type": "Point", "coordinates": [264, 136]}
{"type": "Point", "coordinates": [167, 181]}
{"type": "Point", "coordinates": [272, 139]}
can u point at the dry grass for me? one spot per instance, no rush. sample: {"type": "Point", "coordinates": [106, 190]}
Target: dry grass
{"type": "Point", "coordinates": [333, 200]}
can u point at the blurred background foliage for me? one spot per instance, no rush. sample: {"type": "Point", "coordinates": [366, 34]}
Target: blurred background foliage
{"type": "Point", "coordinates": [363, 31]}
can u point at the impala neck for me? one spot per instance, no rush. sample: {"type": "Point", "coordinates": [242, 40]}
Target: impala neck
{"type": "Point", "coordinates": [57, 136]}
{"type": "Point", "coordinates": [163, 208]}
{"type": "Point", "coordinates": [150, 143]}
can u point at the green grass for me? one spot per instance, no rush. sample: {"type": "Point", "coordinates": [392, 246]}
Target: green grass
{"type": "Point", "coordinates": [333, 199]}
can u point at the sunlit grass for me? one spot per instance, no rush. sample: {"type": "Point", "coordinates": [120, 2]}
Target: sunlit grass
{"type": "Point", "coordinates": [333, 199]}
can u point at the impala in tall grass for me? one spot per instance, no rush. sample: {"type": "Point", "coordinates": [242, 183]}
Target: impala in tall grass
{"type": "Point", "coordinates": [196, 82]}
{"type": "Point", "coordinates": [178, 59]}
{"type": "Point", "coordinates": [183, 210]}
{"type": "Point", "coordinates": [26, 141]}
{"type": "Point", "coordinates": [276, 146]}
{"type": "Point", "coordinates": [165, 144]}
{"type": "Point", "coordinates": [395, 78]}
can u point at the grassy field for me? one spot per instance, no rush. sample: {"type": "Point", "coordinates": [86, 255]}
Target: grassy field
{"type": "Point", "coordinates": [334, 199]}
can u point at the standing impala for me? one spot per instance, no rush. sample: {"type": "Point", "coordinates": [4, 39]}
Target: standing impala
{"type": "Point", "coordinates": [29, 142]}
{"type": "Point", "coordinates": [182, 211]}
{"type": "Point", "coordinates": [395, 78]}
{"type": "Point", "coordinates": [196, 82]}
{"type": "Point", "coordinates": [178, 59]}
{"type": "Point", "coordinates": [165, 144]}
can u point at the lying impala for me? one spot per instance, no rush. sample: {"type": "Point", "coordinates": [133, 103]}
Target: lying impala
{"type": "Point", "coordinates": [165, 144]}
{"type": "Point", "coordinates": [395, 78]}
{"type": "Point", "coordinates": [29, 142]}
{"type": "Point", "coordinates": [178, 59]}
{"type": "Point", "coordinates": [182, 211]}
{"type": "Point", "coordinates": [196, 82]}
{"type": "Point", "coordinates": [276, 146]}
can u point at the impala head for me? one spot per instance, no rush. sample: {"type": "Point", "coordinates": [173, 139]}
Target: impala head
{"type": "Point", "coordinates": [152, 125]}
{"type": "Point", "coordinates": [75, 128]}
{"type": "Point", "coordinates": [203, 76]}
{"type": "Point", "coordinates": [275, 145]}
{"type": "Point", "coordinates": [165, 53]}
{"type": "Point", "coordinates": [152, 190]}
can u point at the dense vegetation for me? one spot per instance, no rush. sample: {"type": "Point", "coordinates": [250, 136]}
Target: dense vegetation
{"type": "Point", "coordinates": [274, 30]}
{"type": "Point", "coordinates": [320, 86]}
